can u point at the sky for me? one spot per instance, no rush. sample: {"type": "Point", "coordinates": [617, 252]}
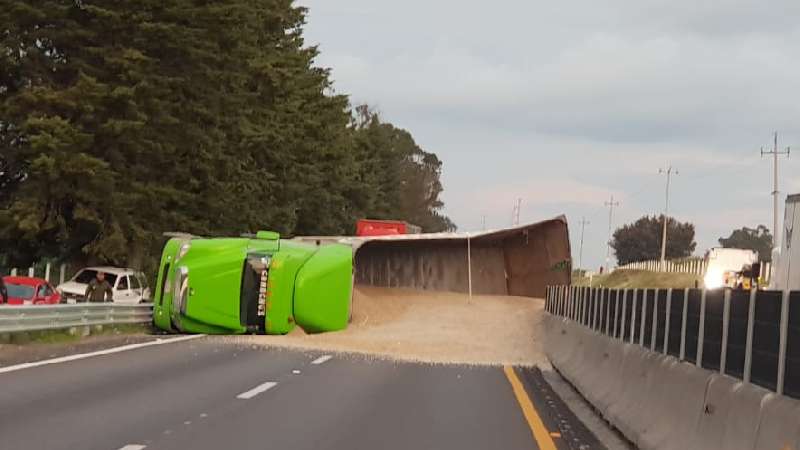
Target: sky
{"type": "Point", "coordinates": [564, 104]}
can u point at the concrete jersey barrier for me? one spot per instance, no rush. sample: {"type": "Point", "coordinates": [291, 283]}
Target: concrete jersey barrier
{"type": "Point", "coordinates": [662, 395]}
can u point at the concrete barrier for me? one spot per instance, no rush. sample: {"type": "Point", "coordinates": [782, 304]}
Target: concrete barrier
{"type": "Point", "coordinates": [779, 427]}
{"type": "Point", "coordinates": [662, 402]}
{"type": "Point", "coordinates": [731, 415]}
{"type": "Point", "coordinates": [677, 402]}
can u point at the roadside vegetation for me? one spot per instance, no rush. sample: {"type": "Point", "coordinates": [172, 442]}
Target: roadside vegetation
{"type": "Point", "coordinates": [620, 279]}
{"type": "Point", "coordinates": [69, 336]}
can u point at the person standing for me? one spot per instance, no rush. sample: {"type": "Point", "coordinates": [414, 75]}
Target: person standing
{"type": "Point", "coordinates": [3, 290]}
{"type": "Point", "coordinates": [99, 288]}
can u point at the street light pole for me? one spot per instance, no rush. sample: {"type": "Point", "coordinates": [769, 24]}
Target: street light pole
{"type": "Point", "coordinates": [668, 171]}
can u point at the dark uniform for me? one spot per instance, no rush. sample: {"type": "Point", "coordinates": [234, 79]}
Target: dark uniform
{"type": "Point", "coordinates": [3, 290]}
{"type": "Point", "coordinates": [97, 290]}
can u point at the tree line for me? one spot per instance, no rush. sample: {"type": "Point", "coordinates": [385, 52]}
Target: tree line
{"type": "Point", "coordinates": [641, 240]}
{"type": "Point", "coordinates": [122, 120]}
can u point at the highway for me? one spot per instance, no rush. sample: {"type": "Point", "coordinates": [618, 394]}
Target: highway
{"type": "Point", "coordinates": [213, 393]}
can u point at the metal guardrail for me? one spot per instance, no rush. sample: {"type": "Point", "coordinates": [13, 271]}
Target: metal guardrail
{"type": "Point", "coordinates": [14, 319]}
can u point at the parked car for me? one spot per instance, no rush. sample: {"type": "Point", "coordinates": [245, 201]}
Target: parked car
{"type": "Point", "coordinates": [30, 291]}
{"type": "Point", "coordinates": [128, 285]}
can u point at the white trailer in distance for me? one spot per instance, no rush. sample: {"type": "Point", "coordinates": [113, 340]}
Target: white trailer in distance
{"type": "Point", "coordinates": [786, 259]}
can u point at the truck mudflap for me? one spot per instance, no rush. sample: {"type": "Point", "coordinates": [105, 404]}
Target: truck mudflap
{"type": "Point", "coordinates": [324, 290]}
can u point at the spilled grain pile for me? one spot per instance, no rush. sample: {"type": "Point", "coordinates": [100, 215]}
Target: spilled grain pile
{"type": "Point", "coordinates": [434, 327]}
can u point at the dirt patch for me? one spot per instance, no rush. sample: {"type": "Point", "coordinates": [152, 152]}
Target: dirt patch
{"type": "Point", "coordinates": [433, 327]}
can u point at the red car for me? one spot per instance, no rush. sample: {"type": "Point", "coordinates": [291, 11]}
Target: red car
{"type": "Point", "coordinates": [30, 291]}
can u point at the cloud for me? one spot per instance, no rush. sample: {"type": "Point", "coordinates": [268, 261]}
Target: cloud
{"type": "Point", "coordinates": [565, 103]}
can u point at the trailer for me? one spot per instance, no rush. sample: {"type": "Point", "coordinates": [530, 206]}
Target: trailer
{"type": "Point", "coordinates": [786, 258]}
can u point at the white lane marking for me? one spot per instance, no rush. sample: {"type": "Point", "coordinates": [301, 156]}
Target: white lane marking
{"type": "Point", "coordinates": [108, 351]}
{"type": "Point", "coordinates": [321, 359]}
{"type": "Point", "coordinates": [261, 388]}
{"type": "Point", "coordinates": [133, 447]}
{"type": "Point", "coordinates": [296, 372]}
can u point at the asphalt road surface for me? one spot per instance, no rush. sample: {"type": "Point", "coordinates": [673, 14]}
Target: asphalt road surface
{"type": "Point", "coordinates": [209, 393]}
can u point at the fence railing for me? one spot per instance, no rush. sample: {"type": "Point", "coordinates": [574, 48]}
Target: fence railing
{"type": "Point", "coordinates": [750, 335]}
{"type": "Point", "coordinates": [14, 319]}
{"type": "Point", "coordinates": [692, 266]}
{"type": "Point", "coordinates": [54, 273]}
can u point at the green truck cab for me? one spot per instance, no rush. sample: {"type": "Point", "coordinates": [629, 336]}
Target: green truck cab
{"type": "Point", "coordinates": [252, 285]}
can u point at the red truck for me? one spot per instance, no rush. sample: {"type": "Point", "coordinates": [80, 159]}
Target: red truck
{"type": "Point", "coordinates": [369, 227]}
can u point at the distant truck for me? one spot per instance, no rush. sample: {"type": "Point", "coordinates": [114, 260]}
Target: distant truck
{"type": "Point", "coordinates": [786, 260]}
{"type": "Point", "coordinates": [259, 284]}
{"type": "Point", "coordinates": [370, 227]}
{"type": "Point", "coordinates": [730, 267]}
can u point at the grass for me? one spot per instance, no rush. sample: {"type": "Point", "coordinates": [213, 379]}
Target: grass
{"type": "Point", "coordinates": [621, 279]}
{"type": "Point", "coordinates": [65, 337]}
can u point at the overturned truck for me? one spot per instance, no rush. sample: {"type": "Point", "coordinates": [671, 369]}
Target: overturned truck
{"type": "Point", "coordinates": [265, 284]}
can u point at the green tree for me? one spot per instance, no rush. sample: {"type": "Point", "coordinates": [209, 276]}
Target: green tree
{"type": "Point", "coordinates": [120, 121]}
{"type": "Point", "coordinates": [396, 178]}
{"type": "Point", "coordinates": [758, 239]}
{"type": "Point", "coordinates": [641, 240]}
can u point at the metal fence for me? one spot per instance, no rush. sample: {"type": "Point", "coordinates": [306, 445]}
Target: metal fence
{"type": "Point", "coordinates": [14, 319]}
{"type": "Point", "coordinates": [55, 274]}
{"type": "Point", "coordinates": [750, 335]}
{"type": "Point", "coordinates": [693, 266]}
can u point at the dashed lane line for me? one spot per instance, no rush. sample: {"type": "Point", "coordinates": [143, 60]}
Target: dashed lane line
{"type": "Point", "coordinates": [261, 388]}
{"type": "Point", "coordinates": [133, 447]}
{"type": "Point", "coordinates": [321, 360]}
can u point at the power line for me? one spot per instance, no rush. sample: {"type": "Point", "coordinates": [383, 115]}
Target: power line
{"type": "Point", "coordinates": [610, 204]}
{"type": "Point", "coordinates": [668, 171]}
{"type": "Point", "coordinates": [775, 193]}
{"type": "Point", "coordinates": [584, 222]}
{"type": "Point", "coordinates": [515, 213]}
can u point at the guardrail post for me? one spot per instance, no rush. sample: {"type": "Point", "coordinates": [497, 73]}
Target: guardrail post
{"type": "Point", "coordinates": [701, 334]}
{"type": "Point", "coordinates": [726, 320]}
{"type": "Point", "coordinates": [783, 342]}
{"type": "Point", "coordinates": [667, 321]}
{"type": "Point", "coordinates": [47, 272]}
{"type": "Point", "coordinates": [748, 349]}
{"type": "Point", "coordinates": [644, 317]}
{"type": "Point", "coordinates": [62, 274]}
{"type": "Point", "coordinates": [30, 271]}
{"type": "Point", "coordinates": [608, 311]}
{"type": "Point", "coordinates": [624, 310]}
{"type": "Point", "coordinates": [598, 297]}
{"type": "Point", "coordinates": [653, 332]}
{"type": "Point", "coordinates": [616, 314]}
{"type": "Point", "coordinates": [684, 319]}
{"type": "Point", "coordinates": [633, 314]}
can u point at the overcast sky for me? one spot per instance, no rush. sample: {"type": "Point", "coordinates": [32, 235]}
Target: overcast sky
{"type": "Point", "coordinates": [563, 104]}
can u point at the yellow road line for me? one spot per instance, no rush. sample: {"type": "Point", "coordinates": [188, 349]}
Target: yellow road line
{"type": "Point", "coordinates": [540, 433]}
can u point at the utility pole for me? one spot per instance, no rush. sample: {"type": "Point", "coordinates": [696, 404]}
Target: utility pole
{"type": "Point", "coordinates": [611, 205]}
{"type": "Point", "coordinates": [584, 222]}
{"type": "Point", "coordinates": [515, 214]}
{"type": "Point", "coordinates": [483, 221]}
{"type": "Point", "coordinates": [668, 171]}
{"type": "Point", "coordinates": [776, 230]}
